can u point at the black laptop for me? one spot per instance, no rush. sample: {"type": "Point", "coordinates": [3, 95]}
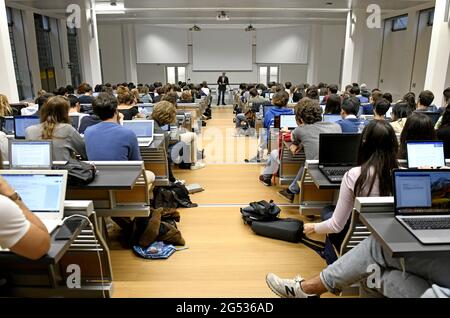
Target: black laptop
{"type": "Point", "coordinates": [338, 153]}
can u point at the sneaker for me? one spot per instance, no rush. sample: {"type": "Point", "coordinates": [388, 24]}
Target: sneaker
{"type": "Point", "coordinates": [265, 181]}
{"type": "Point", "coordinates": [288, 195]}
{"type": "Point", "coordinates": [182, 182]}
{"type": "Point", "coordinates": [198, 166]}
{"type": "Point", "coordinates": [287, 288]}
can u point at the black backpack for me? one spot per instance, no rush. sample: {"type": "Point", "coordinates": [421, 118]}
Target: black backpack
{"type": "Point", "coordinates": [260, 211]}
{"type": "Point", "coordinates": [79, 173]}
{"type": "Point", "coordinates": [173, 196]}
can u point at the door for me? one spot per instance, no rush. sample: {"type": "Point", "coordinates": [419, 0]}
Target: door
{"type": "Point", "coordinates": [269, 73]}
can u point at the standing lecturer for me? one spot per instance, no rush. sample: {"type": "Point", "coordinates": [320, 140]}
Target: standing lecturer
{"type": "Point", "coordinates": [223, 82]}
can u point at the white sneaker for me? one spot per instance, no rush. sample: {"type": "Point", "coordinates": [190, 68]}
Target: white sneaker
{"type": "Point", "coordinates": [198, 166]}
{"type": "Point", "coordinates": [286, 288]}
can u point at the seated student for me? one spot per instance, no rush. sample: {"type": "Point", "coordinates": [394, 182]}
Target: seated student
{"type": "Point", "coordinates": [400, 113]}
{"type": "Point", "coordinates": [388, 97]}
{"type": "Point", "coordinates": [55, 126]}
{"type": "Point", "coordinates": [108, 140]}
{"type": "Point", "coordinates": [21, 231]}
{"type": "Point", "coordinates": [164, 114]}
{"type": "Point", "coordinates": [417, 127]}
{"type": "Point", "coordinates": [85, 93]}
{"type": "Point", "coordinates": [333, 105]}
{"type": "Point", "coordinates": [313, 93]}
{"type": "Point", "coordinates": [146, 98]}
{"type": "Point", "coordinates": [332, 90]}
{"type": "Point", "coordinates": [349, 122]}
{"type": "Point", "coordinates": [308, 114]}
{"type": "Point", "coordinates": [74, 110]}
{"type": "Point", "coordinates": [186, 97]}
{"type": "Point", "coordinates": [186, 137]}
{"type": "Point", "coordinates": [367, 109]}
{"type": "Point", "coordinates": [424, 103]}
{"type": "Point", "coordinates": [443, 132]}
{"type": "Point", "coordinates": [127, 105]}
{"type": "Point", "coordinates": [280, 100]}
{"type": "Point", "coordinates": [254, 98]}
{"type": "Point", "coordinates": [409, 277]}
{"type": "Point", "coordinates": [30, 110]}
{"type": "Point", "coordinates": [410, 98]}
{"type": "Point", "coordinates": [88, 121]}
{"type": "Point", "coordinates": [380, 109]}
{"type": "Point", "coordinates": [355, 91]}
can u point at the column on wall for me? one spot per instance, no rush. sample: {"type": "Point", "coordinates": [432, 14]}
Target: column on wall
{"type": "Point", "coordinates": [66, 78]}
{"type": "Point", "coordinates": [354, 47]}
{"type": "Point", "coordinates": [129, 53]}
{"type": "Point", "coordinates": [315, 44]}
{"type": "Point", "coordinates": [32, 51]}
{"type": "Point", "coordinates": [438, 60]}
{"type": "Point", "coordinates": [89, 48]}
{"type": "Point", "coordinates": [8, 84]}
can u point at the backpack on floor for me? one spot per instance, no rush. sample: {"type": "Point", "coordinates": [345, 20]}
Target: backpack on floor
{"type": "Point", "coordinates": [174, 196]}
{"type": "Point", "coordinates": [260, 211]}
{"type": "Point", "coordinates": [290, 230]}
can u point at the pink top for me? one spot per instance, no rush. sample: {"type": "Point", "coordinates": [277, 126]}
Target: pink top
{"type": "Point", "coordinates": [345, 203]}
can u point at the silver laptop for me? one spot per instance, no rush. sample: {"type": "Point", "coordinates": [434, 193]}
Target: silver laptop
{"type": "Point", "coordinates": [144, 130]}
{"type": "Point", "coordinates": [288, 121]}
{"type": "Point", "coordinates": [30, 155]}
{"type": "Point", "coordinates": [42, 191]}
{"type": "Point", "coordinates": [422, 203]}
{"type": "Point", "coordinates": [425, 154]}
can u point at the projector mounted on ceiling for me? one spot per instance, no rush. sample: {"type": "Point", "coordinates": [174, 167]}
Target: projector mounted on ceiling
{"type": "Point", "coordinates": [250, 28]}
{"type": "Point", "coordinates": [222, 16]}
{"type": "Point", "coordinates": [195, 28]}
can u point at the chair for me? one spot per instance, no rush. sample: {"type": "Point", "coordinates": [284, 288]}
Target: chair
{"type": "Point", "coordinates": [156, 160]}
{"type": "Point", "coordinates": [290, 164]}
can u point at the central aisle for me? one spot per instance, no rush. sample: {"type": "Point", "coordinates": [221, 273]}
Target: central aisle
{"type": "Point", "coordinates": [225, 258]}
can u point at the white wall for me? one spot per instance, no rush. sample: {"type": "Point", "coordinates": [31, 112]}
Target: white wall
{"type": "Point", "coordinates": [111, 53]}
{"type": "Point", "coordinates": [114, 70]}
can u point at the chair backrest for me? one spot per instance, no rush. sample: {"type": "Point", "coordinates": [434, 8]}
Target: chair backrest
{"type": "Point", "coordinates": [357, 233]}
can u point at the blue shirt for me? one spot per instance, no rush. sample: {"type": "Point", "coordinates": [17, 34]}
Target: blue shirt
{"type": "Point", "coordinates": [111, 142]}
{"type": "Point", "coordinates": [269, 118]}
{"type": "Point", "coordinates": [351, 125]}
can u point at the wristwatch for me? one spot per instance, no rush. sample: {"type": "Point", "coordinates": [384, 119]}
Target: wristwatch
{"type": "Point", "coordinates": [15, 197]}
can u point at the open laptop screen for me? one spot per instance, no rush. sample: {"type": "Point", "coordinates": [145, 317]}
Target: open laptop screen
{"type": "Point", "coordinates": [21, 123]}
{"type": "Point", "coordinates": [421, 192]}
{"type": "Point", "coordinates": [142, 128]}
{"type": "Point", "coordinates": [328, 118]}
{"type": "Point", "coordinates": [41, 193]}
{"type": "Point", "coordinates": [425, 153]}
{"type": "Point", "coordinates": [288, 121]}
{"type": "Point", "coordinates": [8, 125]}
{"type": "Point", "coordinates": [339, 149]}
{"type": "Point", "coordinates": [30, 154]}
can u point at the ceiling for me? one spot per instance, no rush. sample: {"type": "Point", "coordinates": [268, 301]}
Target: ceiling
{"type": "Point", "coordinates": [241, 12]}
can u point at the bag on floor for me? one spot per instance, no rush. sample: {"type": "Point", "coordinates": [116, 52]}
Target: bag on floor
{"type": "Point", "coordinates": [260, 211]}
{"type": "Point", "coordinates": [290, 230]}
{"type": "Point", "coordinates": [174, 196]}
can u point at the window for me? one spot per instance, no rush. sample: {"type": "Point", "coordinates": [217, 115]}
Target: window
{"type": "Point", "coordinates": [9, 16]}
{"type": "Point", "coordinates": [400, 23]}
{"type": "Point", "coordinates": [74, 65]}
{"type": "Point", "coordinates": [176, 74]}
{"type": "Point", "coordinates": [268, 74]}
{"type": "Point", "coordinates": [431, 17]}
{"type": "Point", "coordinates": [44, 23]}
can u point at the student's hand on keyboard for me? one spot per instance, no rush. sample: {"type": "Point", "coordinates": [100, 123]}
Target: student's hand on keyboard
{"type": "Point", "coordinates": [308, 228]}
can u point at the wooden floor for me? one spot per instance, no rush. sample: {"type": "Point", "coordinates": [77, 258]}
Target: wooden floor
{"type": "Point", "coordinates": [224, 259]}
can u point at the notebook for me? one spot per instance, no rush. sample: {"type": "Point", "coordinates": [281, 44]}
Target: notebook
{"type": "Point", "coordinates": [422, 203]}
{"type": "Point", "coordinates": [42, 191]}
{"type": "Point", "coordinates": [144, 130]}
{"type": "Point", "coordinates": [30, 154]}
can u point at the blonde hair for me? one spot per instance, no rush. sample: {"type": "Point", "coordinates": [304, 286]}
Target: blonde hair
{"type": "Point", "coordinates": [5, 108]}
{"type": "Point", "coordinates": [164, 113]}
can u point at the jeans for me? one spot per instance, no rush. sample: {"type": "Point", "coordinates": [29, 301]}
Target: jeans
{"type": "Point", "coordinates": [294, 188]}
{"type": "Point", "coordinates": [405, 277]}
{"type": "Point", "coordinates": [272, 165]}
{"type": "Point", "coordinates": [239, 119]}
{"type": "Point", "coordinates": [221, 97]}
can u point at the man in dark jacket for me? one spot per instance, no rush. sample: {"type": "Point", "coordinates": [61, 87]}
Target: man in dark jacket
{"type": "Point", "coordinates": [223, 82]}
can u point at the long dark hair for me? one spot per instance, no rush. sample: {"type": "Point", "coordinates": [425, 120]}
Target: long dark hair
{"type": "Point", "coordinates": [377, 157]}
{"type": "Point", "coordinates": [446, 117]}
{"type": "Point", "coordinates": [417, 127]}
{"type": "Point", "coordinates": [333, 105]}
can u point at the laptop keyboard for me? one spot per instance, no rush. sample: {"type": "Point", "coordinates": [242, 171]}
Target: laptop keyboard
{"type": "Point", "coordinates": [428, 223]}
{"type": "Point", "coordinates": [336, 172]}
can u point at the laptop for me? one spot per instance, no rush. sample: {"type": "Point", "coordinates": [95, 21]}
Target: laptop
{"type": "Point", "coordinates": [288, 121]}
{"type": "Point", "coordinates": [422, 203]}
{"type": "Point", "coordinates": [329, 118]}
{"type": "Point", "coordinates": [30, 155]}
{"type": "Point", "coordinates": [8, 125]}
{"type": "Point", "coordinates": [145, 109]}
{"type": "Point", "coordinates": [144, 130]}
{"type": "Point", "coordinates": [425, 154]}
{"type": "Point", "coordinates": [42, 191]}
{"type": "Point", "coordinates": [338, 153]}
{"type": "Point", "coordinates": [21, 123]}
